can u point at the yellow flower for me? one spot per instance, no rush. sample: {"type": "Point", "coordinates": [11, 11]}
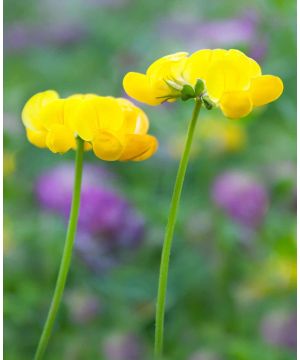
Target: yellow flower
{"type": "Point", "coordinates": [228, 79]}
{"type": "Point", "coordinates": [277, 274]}
{"type": "Point", "coordinates": [222, 136]}
{"type": "Point", "coordinates": [113, 127]}
{"type": "Point", "coordinates": [9, 163]}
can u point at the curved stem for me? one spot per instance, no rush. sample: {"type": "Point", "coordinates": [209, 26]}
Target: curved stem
{"type": "Point", "coordinates": [67, 254]}
{"type": "Point", "coordinates": [165, 257]}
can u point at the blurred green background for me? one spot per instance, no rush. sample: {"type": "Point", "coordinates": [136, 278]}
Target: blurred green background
{"type": "Point", "coordinates": [232, 285]}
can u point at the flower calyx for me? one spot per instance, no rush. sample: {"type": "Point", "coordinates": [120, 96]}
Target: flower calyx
{"type": "Point", "coordinates": [198, 92]}
{"type": "Point", "coordinates": [186, 92]}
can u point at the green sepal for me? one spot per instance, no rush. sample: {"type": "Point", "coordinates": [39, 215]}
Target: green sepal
{"type": "Point", "coordinates": [199, 87]}
{"type": "Point", "coordinates": [208, 103]}
{"type": "Point", "coordinates": [187, 93]}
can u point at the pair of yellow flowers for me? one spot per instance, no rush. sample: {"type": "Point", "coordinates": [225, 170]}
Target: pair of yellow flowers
{"type": "Point", "coordinates": [116, 129]}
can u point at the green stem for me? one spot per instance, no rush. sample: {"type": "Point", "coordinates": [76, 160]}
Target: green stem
{"type": "Point", "coordinates": [165, 257]}
{"type": "Point", "coordinates": [67, 254]}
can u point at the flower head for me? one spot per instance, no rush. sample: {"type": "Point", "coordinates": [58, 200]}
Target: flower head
{"type": "Point", "coordinates": [113, 127]}
{"type": "Point", "coordinates": [102, 212]}
{"type": "Point", "coordinates": [242, 197]}
{"type": "Point", "coordinates": [224, 78]}
{"type": "Point", "coordinates": [108, 225]}
{"type": "Point", "coordinates": [279, 328]}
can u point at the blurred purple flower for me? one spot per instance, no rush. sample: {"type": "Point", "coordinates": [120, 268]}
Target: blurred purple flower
{"type": "Point", "coordinates": [54, 187]}
{"type": "Point", "coordinates": [20, 36]}
{"type": "Point", "coordinates": [107, 223]}
{"type": "Point", "coordinates": [224, 32]}
{"type": "Point", "coordinates": [280, 328]}
{"type": "Point", "coordinates": [123, 347]}
{"type": "Point", "coordinates": [197, 34]}
{"type": "Point", "coordinates": [242, 197]}
{"type": "Point", "coordinates": [258, 49]}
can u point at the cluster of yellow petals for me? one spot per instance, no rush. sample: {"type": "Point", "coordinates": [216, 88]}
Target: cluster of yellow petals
{"type": "Point", "coordinates": [113, 127]}
{"type": "Point", "coordinates": [233, 81]}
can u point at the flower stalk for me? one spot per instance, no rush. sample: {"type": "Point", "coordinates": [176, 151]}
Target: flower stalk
{"type": "Point", "coordinates": [67, 254]}
{"type": "Point", "coordinates": [165, 257]}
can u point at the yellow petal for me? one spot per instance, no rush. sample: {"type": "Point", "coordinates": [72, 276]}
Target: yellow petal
{"type": "Point", "coordinates": [110, 116]}
{"type": "Point", "coordinates": [254, 68]}
{"type": "Point", "coordinates": [77, 96]}
{"type": "Point", "coordinates": [231, 74]}
{"type": "Point", "coordinates": [234, 54]}
{"type": "Point", "coordinates": [236, 104]}
{"type": "Point", "coordinates": [139, 147]}
{"type": "Point", "coordinates": [53, 113]}
{"type": "Point", "coordinates": [215, 82]}
{"type": "Point", "coordinates": [107, 146]}
{"type": "Point", "coordinates": [87, 146]}
{"type": "Point", "coordinates": [197, 65]}
{"type": "Point", "coordinates": [135, 120]}
{"type": "Point", "coordinates": [240, 70]}
{"type": "Point", "coordinates": [32, 109]}
{"type": "Point", "coordinates": [81, 116]}
{"type": "Point", "coordinates": [137, 86]}
{"type": "Point", "coordinates": [60, 139]}
{"type": "Point", "coordinates": [91, 113]}
{"type": "Point", "coordinates": [248, 67]}
{"type": "Point", "coordinates": [88, 114]}
{"type": "Point", "coordinates": [37, 138]}
{"type": "Point", "coordinates": [237, 71]}
{"type": "Point", "coordinates": [169, 67]}
{"type": "Point", "coordinates": [265, 89]}
{"type": "Point", "coordinates": [168, 59]}
{"type": "Point", "coordinates": [218, 55]}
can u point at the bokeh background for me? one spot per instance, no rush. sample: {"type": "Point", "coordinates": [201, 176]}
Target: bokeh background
{"type": "Point", "coordinates": [232, 281]}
